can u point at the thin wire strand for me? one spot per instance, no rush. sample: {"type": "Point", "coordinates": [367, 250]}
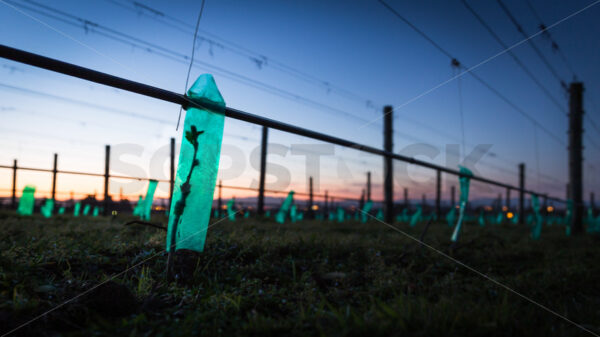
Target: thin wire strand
{"type": "Point", "coordinates": [532, 44]}
{"type": "Point", "coordinates": [187, 78]}
{"type": "Point", "coordinates": [515, 58]}
{"type": "Point", "coordinates": [470, 69]}
{"type": "Point", "coordinates": [462, 115]}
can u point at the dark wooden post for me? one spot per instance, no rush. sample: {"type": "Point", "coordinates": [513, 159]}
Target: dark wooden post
{"type": "Point", "coordinates": [172, 173]}
{"type": "Point", "coordinates": [522, 193]}
{"type": "Point", "coordinates": [438, 193]}
{"type": "Point", "coordinates": [326, 204]}
{"type": "Point", "coordinates": [576, 154]}
{"type": "Point", "coordinates": [592, 202]}
{"type": "Point", "coordinates": [106, 177]}
{"type": "Point", "coordinates": [14, 186]}
{"type": "Point", "coordinates": [310, 198]}
{"type": "Point", "coordinates": [220, 200]}
{"type": "Point", "coordinates": [54, 172]}
{"type": "Point", "coordinates": [453, 196]}
{"type": "Point", "coordinates": [388, 164]}
{"type": "Point", "coordinates": [508, 198]}
{"type": "Point", "coordinates": [263, 169]}
{"type": "Point", "coordinates": [368, 185]}
{"type": "Point", "coordinates": [406, 197]}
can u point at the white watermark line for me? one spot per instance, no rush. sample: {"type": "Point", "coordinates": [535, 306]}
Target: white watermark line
{"type": "Point", "coordinates": [426, 92]}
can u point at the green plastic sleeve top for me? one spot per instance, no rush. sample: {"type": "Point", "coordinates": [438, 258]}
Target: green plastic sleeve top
{"type": "Point", "coordinates": [137, 211]}
{"type": "Point", "coordinates": [86, 209]}
{"type": "Point", "coordinates": [285, 207]}
{"type": "Point", "coordinates": [464, 198]}
{"type": "Point", "coordinates": [197, 166]}
{"type": "Point", "coordinates": [416, 217]}
{"type": "Point", "coordinates": [536, 231]}
{"type": "Point", "coordinates": [341, 214]}
{"type": "Point", "coordinates": [231, 209]}
{"type": "Point", "coordinates": [568, 216]}
{"type": "Point", "coordinates": [365, 211]}
{"type": "Point", "coordinates": [77, 209]}
{"type": "Point", "coordinates": [481, 218]}
{"type": "Point", "coordinates": [294, 213]}
{"type": "Point", "coordinates": [147, 204]}
{"type": "Point", "coordinates": [48, 208]}
{"type": "Point", "coordinates": [27, 201]}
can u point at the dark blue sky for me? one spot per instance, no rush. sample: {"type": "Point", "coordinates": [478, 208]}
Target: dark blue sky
{"type": "Point", "coordinates": [361, 49]}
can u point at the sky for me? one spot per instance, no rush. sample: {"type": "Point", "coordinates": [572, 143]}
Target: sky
{"type": "Point", "coordinates": [328, 66]}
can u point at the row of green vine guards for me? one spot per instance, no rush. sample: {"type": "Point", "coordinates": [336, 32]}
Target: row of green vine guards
{"type": "Point", "coordinates": [197, 168]}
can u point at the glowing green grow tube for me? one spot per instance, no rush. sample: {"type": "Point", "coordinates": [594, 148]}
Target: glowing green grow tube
{"type": "Point", "coordinates": [146, 207]}
{"type": "Point", "coordinates": [285, 207]}
{"type": "Point", "coordinates": [27, 201]}
{"type": "Point", "coordinates": [197, 167]}
{"type": "Point", "coordinates": [464, 198]}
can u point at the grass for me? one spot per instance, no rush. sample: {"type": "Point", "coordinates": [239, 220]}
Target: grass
{"type": "Point", "coordinates": [260, 278]}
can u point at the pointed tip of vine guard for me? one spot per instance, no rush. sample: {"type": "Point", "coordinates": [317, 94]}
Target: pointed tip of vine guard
{"type": "Point", "coordinates": [204, 93]}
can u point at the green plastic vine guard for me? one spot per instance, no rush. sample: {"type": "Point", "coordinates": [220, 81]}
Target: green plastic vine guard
{"type": "Point", "coordinates": [86, 210]}
{"type": "Point", "coordinates": [341, 214]}
{"type": "Point", "coordinates": [137, 210]}
{"type": "Point", "coordinates": [48, 207]}
{"type": "Point", "coordinates": [77, 209]}
{"type": "Point", "coordinates": [285, 208]}
{"type": "Point", "coordinates": [405, 216]}
{"type": "Point", "coordinates": [294, 213]}
{"type": "Point", "coordinates": [246, 215]}
{"type": "Point", "coordinates": [568, 217]}
{"type": "Point", "coordinates": [536, 229]}
{"type": "Point", "coordinates": [197, 166]}
{"type": "Point", "coordinates": [268, 214]}
{"type": "Point", "coordinates": [365, 211]}
{"type": "Point", "coordinates": [464, 182]}
{"type": "Point", "coordinates": [27, 201]}
{"type": "Point", "coordinates": [146, 208]}
{"type": "Point", "coordinates": [591, 223]}
{"type": "Point", "coordinates": [379, 215]}
{"type": "Point", "coordinates": [415, 218]}
{"type": "Point", "coordinates": [481, 219]}
{"type": "Point", "coordinates": [231, 209]}
{"type": "Point", "coordinates": [499, 218]}
{"type": "Point", "coordinates": [61, 211]}
{"type": "Point", "coordinates": [96, 211]}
